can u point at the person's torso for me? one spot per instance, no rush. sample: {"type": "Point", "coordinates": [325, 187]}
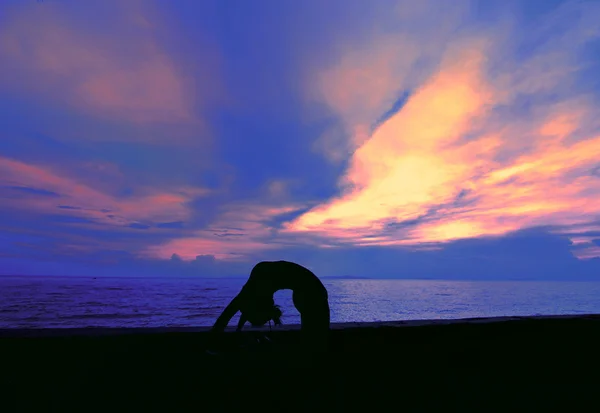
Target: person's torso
{"type": "Point", "coordinates": [272, 276]}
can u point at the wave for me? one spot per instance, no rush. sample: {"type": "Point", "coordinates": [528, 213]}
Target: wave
{"type": "Point", "coordinates": [113, 316]}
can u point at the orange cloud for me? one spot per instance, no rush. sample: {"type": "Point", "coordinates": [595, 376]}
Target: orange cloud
{"type": "Point", "coordinates": [368, 75]}
{"type": "Point", "coordinates": [118, 71]}
{"type": "Point", "coordinates": [447, 166]}
{"type": "Point", "coordinates": [409, 162]}
{"type": "Point", "coordinates": [73, 198]}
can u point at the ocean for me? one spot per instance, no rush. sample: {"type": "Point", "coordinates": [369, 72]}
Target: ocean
{"type": "Point", "coordinates": [68, 302]}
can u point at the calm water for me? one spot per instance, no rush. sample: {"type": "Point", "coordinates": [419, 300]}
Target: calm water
{"type": "Point", "coordinates": [38, 302]}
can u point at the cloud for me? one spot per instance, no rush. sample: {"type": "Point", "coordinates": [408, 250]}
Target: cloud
{"type": "Point", "coordinates": [454, 161]}
{"type": "Point", "coordinates": [114, 69]}
{"type": "Point", "coordinates": [523, 255]}
{"type": "Point", "coordinates": [446, 131]}
{"type": "Point", "coordinates": [26, 187]}
{"type": "Point", "coordinates": [401, 48]}
{"type": "Point", "coordinates": [277, 188]}
{"type": "Point", "coordinates": [400, 169]}
{"type": "Point", "coordinates": [240, 231]}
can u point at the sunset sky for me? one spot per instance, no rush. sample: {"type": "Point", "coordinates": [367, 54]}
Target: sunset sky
{"type": "Point", "coordinates": [409, 139]}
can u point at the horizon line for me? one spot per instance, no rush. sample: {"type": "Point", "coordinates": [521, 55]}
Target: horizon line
{"type": "Point", "coordinates": [341, 277]}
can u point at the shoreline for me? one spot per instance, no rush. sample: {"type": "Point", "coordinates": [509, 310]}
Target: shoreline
{"type": "Point", "coordinates": [366, 325]}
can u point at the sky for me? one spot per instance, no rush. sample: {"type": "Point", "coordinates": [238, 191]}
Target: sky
{"type": "Point", "coordinates": [386, 139]}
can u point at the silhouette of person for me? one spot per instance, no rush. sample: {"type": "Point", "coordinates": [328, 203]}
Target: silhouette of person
{"type": "Point", "coordinates": [256, 304]}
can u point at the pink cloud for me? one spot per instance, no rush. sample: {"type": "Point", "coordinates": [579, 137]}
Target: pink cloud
{"type": "Point", "coordinates": [369, 75]}
{"type": "Point", "coordinates": [117, 72]}
{"type": "Point", "coordinates": [588, 251]}
{"type": "Point", "coordinates": [241, 230]}
{"type": "Point", "coordinates": [79, 200]}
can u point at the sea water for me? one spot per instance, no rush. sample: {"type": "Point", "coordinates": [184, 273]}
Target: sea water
{"type": "Point", "coordinates": [63, 302]}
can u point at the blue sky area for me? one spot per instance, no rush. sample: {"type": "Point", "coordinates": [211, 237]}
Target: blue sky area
{"type": "Point", "coordinates": [394, 139]}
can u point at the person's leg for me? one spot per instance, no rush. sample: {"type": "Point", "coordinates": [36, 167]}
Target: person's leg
{"type": "Point", "coordinates": [315, 320]}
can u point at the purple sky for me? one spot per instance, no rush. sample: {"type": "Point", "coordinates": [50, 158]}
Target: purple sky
{"type": "Point", "coordinates": [409, 139]}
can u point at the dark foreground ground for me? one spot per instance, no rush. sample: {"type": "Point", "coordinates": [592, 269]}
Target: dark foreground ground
{"type": "Point", "coordinates": [517, 364]}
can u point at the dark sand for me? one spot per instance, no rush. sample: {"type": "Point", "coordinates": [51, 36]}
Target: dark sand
{"type": "Point", "coordinates": [521, 364]}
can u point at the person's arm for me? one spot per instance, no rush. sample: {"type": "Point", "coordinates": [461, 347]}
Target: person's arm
{"type": "Point", "coordinates": [226, 315]}
{"type": "Point", "coordinates": [241, 323]}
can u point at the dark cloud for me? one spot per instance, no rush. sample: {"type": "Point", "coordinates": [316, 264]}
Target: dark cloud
{"type": "Point", "coordinates": [32, 191]}
{"type": "Point", "coordinates": [65, 219]}
{"type": "Point", "coordinates": [177, 224]}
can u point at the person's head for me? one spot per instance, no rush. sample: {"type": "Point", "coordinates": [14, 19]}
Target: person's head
{"type": "Point", "coordinates": [260, 311]}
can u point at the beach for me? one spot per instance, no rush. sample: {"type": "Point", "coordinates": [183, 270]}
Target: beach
{"type": "Point", "coordinates": [482, 364]}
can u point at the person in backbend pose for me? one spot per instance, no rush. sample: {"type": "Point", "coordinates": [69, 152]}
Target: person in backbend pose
{"type": "Point", "coordinates": [256, 304]}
